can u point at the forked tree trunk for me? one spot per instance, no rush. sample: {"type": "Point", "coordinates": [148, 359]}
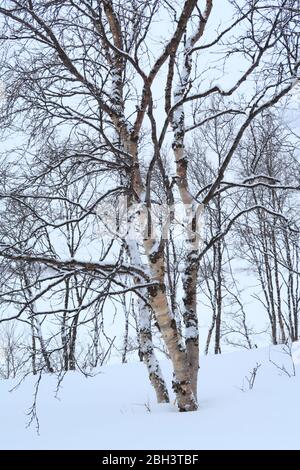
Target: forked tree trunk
{"type": "Point", "coordinates": [185, 361]}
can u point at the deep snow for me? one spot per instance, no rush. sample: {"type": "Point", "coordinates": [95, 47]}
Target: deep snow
{"type": "Point", "coordinates": [116, 409]}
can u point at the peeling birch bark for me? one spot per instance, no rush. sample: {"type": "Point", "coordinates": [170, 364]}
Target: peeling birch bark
{"type": "Point", "coordinates": [186, 399]}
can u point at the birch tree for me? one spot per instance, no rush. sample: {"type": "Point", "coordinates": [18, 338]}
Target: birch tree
{"type": "Point", "coordinates": [96, 88]}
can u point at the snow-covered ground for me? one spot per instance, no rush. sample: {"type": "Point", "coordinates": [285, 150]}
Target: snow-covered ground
{"type": "Point", "coordinates": [116, 408]}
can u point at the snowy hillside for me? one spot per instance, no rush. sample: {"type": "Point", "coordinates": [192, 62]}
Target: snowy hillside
{"type": "Point", "coordinates": [116, 409]}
